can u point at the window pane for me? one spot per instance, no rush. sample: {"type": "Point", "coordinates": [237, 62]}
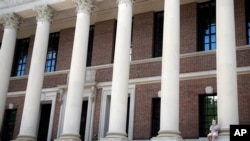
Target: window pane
{"type": "Point", "coordinates": [207, 47]}
{"type": "Point", "coordinates": [52, 51]}
{"type": "Point", "coordinates": [206, 39]}
{"type": "Point", "coordinates": [207, 112]}
{"type": "Point", "coordinates": [158, 34]}
{"type": "Point", "coordinates": [213, 28]}
{"type": "Point", "coordinates": [213, 46]}
{"type": "Point", "coordinates": [206, 26]}
{"type": "Point", "coordinates": [20, 57]}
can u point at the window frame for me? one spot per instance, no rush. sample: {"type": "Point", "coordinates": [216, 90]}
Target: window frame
{"type": "Point", "coordinates": [90, 45]}
{"type": "Point", "coordinates": [205, 117]}
{"type": "Point", "coordinates": [9, 124]}
{"type": "Point", "coordinates": [206, 26]}
{"type": "Point", "coordinates": [158, 34]}
{"type": "Point", "coordinates": [20, 57]}
{"type": "Point", "coordinates": [52, 52]}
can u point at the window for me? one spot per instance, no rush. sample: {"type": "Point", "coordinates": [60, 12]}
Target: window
{"type": "Point", "coordinates": [156, 110]}
{"type": "Point", "coordinates": [50, 65]}
{"type": "Point", "coordinates": [90, 45]}
{"type": "Point", "coordinates": [206, 26]}
{"type": "Point", "coordinates": [20, 59]}
{"type": "Point", "coordinates": [248, 20]}
{"type": "Point", "coordinates": [158, 34]}
{"type": "Point", "coordinates": [44, 122]}
{"type": "Point", "coordinates": [9, 124]}
{"type": "Point", "coordinates": [0, 45]}
{"type": "Point", "coordinates": [207, 112]}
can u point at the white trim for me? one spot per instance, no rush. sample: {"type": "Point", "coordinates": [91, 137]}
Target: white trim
{"type": "Point", "coordinates": [106, 91]}
{"type": "Point", "coordinates": [46, 97]}
{"type": "Point", "coordinates": [183, 76]}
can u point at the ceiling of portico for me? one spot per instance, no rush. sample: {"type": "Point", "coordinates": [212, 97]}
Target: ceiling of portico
{"type": "Point", "coordinates": [65, 11]}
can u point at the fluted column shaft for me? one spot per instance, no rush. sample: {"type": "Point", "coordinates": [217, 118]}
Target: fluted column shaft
{"type": "Point", "coordinates": [72, 119]}
{"type": "Point", "coordinates": [7, 50]}
{"type": "Point", "coordinates": [119, 93]}
{"type": "Point", "coordinates": [30, 117]}
{"type": "Point", "coordinates": [226, 66]}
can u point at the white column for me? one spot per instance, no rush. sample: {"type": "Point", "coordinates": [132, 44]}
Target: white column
{"type": "Point", "coordinates": [169, 123]}
{"type": "Point", "coordinates": [11, 24]}
{"type": "Point", "coordinates": [30, 117]}
{"type": "Point", "coordinates": [119, 92]}
{"type": "Point", "coordinates": [72, 117]}
{"type": "Point", "coordinates": [226, 66]}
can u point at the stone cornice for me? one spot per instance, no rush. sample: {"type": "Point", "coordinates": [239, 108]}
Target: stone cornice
{"type": "Point", "coordinates": [12, 21]}
{"type": "Point", "coordinates": [85, 6]}
{"type": "Point", "coordinates": [44, 13]}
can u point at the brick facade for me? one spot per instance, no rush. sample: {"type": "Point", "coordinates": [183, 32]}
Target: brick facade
{"type": "Point", "coordinates": [144, 66]}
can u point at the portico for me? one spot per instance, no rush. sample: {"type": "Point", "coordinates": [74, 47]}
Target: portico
{"type": "Point", "coordinates": [87, 12]}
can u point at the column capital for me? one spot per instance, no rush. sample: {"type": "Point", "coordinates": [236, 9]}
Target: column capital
{"type": "Point", "coordinates": [125, 1]}
{"type": "Point", "coordinates": [44, 13]}
{"type": "Point", "coordinates": [85, 6]}
{"type": "Point", "coordinates": [12, 20]}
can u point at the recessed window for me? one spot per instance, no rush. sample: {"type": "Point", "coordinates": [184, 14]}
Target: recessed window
{"type": "Point", "coordinates": [207, 112]}
{"type": "Point", "coordinates": [90, 45]}
{"type": "Point", "coordinates": [9, 125]}
{"type": "Point", "coordinates": [20, 59]}
{"type": "Point", "coordinates": [206, 26]}
{"type": "Point", "coordinates": [50, 65]}
{"type": "Point", "coordinates": [156, 109]}
{"type": "Point", "coordinates": [248, 20]}
{"type": "Point", "coordinates": [158, 34]}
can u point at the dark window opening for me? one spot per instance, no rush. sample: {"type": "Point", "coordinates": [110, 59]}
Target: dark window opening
{"type": "Point", "coordinates": [114, 39]}
{"type": "Point", "coordinates": [90, 45]}
{"type": "Point", "coordinates": [207, 112]}
{"type": "Point", "coordinates": [83, 119]}
{"type": "Point", "coordinates": [158, 33]}
{"type": "Point", "coordinates": [127, 120]}
{"type": "Point", "coordinates": [51, 58]}
{"type": "Point", "coordinates": [44, 122]}
{"type": "Point", "coordinates": [248, 21]}
{"type": "Point", "coordinates": [206, 26]}
{"type": "Point", "coordinates": [20, 57]}
{"type": "Point", "coordinates": [156, 109]}
{"type": "Point", "coordinates": [9, 124]}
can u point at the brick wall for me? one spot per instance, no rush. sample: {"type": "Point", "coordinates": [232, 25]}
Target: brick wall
{"type": "Point", "coordinates": [143, 109]}
{"type": "Point", "coordinates": [103, 48]}
{"type": "Point", "coordinates": [189, 104]}
{"type": "Point", "coordinates": [65, 49]}
{"type": "Point", "coordinates": [56, 118]}
{"type": "Point", "coordinates": [188, 28]}
{"type": "Point", "coordinates": [240, 22]}
{"type": "Point", "coordinates": [97, 114]}
{"type": "Point", "coordinates": [244, 98]}
{"type": "Point", "coordinates": [142, 36]}
{"type": "Point", "coordinates": [103, 44]}
{"type": "Point", "coordinates": [18, 104]}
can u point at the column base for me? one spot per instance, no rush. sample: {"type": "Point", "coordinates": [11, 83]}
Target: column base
{"type": "Point", "coordinates": [115, 136]}
{"type": "Point", "coordinates": [168, 136]}
{"type": "Point", "coordinates": [25, 138]}
{"type": "Point", "coordinates": [69, 137]}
